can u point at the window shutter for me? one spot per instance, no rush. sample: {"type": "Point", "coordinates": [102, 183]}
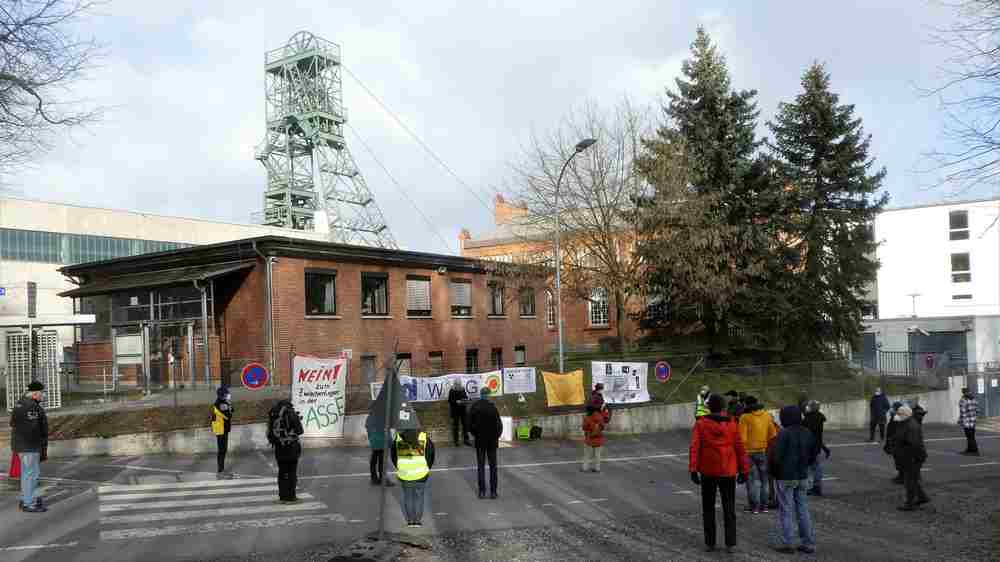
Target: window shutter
{"type": "Point", "coordinates": [418, 294]}
{"type": "Point", "coordinates": [461, 294]}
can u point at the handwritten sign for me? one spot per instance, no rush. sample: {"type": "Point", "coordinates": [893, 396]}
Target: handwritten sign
{"type": "Point", "coordinates": [318, 394]}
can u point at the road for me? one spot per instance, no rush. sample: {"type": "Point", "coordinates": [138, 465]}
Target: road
{"type": "Point", "coordinates": [642, 506]}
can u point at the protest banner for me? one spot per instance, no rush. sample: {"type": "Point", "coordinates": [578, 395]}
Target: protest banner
{"type": "Point", "coordinates": [318, 394]}
{"type": "Point", "coordinates": [432, 389]}
{"type": "Point", "coordinates": [519, 380]}
{"type": "Point", "coordinates": [563, 389]}
{"type": "Point", "coordinates": [624, 383]}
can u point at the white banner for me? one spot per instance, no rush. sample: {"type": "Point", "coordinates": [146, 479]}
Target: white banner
{"type": "Point", "coordinates": [431, 389]}
{"type": "Point", "coordinates": [519, 380]}
{"type": "Point", "coordinates": [318, 394]}
{"type": "Point", "coordinates": [624, 383]}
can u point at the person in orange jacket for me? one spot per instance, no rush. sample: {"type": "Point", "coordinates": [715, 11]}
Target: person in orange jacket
{"type": "Point", "coordinates": [717, 462]}
{"type": "Point", "coordinates": [757, 429]}
{"type": "Point", "coordinates": [593, 439]}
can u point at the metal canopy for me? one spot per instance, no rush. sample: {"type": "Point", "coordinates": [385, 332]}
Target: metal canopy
{"type": "Point", "coordinates": [157, 279]}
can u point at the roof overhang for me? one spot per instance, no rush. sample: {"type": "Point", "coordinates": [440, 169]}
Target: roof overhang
{"type": "Point", "coordinates": [162, 278]}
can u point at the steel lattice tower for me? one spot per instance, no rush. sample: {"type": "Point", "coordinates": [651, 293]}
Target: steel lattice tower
{"type": "Point", "coordinates": [305, 147]}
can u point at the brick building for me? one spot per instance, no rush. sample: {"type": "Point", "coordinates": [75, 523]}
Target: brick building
{"type": "Point", "coordinates": [514, 239]}
{"type": "Point", "coordinates": [262, 299]}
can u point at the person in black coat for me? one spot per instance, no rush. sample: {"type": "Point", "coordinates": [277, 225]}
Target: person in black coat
{"type": "Point", "coordinates": [487, 428]}
{"type": "Point", "coordinates": [457, 411]}
{"type": "Point", "coordinates": [878, 407]}
{"type": "Point", "coordinates": [222, 424]}
{"type": "Point", "coordinates": [910, 453]}
{"type": "Point", "coordinates": [283, 432]}
{"type": "Point", "coordinates": [814, 420]}
{"type": "Point", "coordinates": [890, 441]}
{"type": "Point", "coordinates": [29, 433]}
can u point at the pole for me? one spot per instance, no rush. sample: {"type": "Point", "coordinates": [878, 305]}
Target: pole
{"type": "Point", "coordinates": [388, 389]}
{"type": "Point", "coordinates": [559, 318]}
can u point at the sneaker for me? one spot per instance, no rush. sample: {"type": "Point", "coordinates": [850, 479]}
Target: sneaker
{"type": "Point", "coordinates": [35, 509]}
{"type": "Point", "coordinates": [757, 511]}
{"type": "Point", "coordinates": [291, 501]}
{"type": "Point", "coordinates": [493, 496]}
{"type": "Point", "coordinates": [922, 501]}
{"type": "Point", "coordinates": [482, 495]}
{"type": "Point", "coordinates": [763, 509]}
{"type": "Point", "coordinates": [596, 471]}
{"type": "Point", "coordinates": [750, 509]}
{"type": "Point", "coordinates": [807, 549]}
{"type": "Point", "coordinates": [731, 549]}
{"type": "Point", "coordinates": [418, 524]}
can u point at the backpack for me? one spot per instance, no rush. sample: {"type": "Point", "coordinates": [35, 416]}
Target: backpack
{"type": "Point", "coordinates": [279, 431]}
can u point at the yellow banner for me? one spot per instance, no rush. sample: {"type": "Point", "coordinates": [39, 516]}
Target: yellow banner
{"type": "Point", "coordinates": [564, 390]}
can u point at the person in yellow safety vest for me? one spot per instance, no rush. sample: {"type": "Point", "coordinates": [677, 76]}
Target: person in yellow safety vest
{"type": "Point", "coordinates": [701, 403]}
{"type": "Point", "coordinates": [413, 455]}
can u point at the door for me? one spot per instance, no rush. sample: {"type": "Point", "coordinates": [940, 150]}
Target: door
{"type": "Point", "coordinates": [869, 351]}
{"type": "Point", "coordinates": [938, 350]}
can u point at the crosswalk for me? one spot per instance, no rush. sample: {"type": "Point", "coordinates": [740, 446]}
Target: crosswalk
{"type": "Point", "coordinates": [146, 511]}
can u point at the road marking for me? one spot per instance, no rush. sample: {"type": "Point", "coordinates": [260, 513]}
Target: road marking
{"type": "Point", "coordinates": [548, 505]}
{"type": "Point", "coordinates": [978, 464]}
{"type": "Point", "coordinates": [493, 514]}
{"type": "Point", "coordinates": [684, 492]}
{"type": "Point", "coordinates": [184, 485]}
{"type": "Point", "coordinates": [37, 546]}
{"type": "Point", "coordinates": [184, 493]}
{"type": "Point", "coordinates": [203, 513]}
{"type": "Point", "coordinates": [356, 521]}
{"type": "Point", "coordinates": [574, 502]}
{"type": "Point", "coordinates": [153, 469]}
{"type": "Point", "coordinates": [933, 439]}
{"type": "Point", "coordinates": [221, 526]}
{"type": "Point", "coordinates": [190, 503]}
{"type": "Point", "coordinates": [441, 514]}
{"type": "Point", "coordinates": [600, 500]}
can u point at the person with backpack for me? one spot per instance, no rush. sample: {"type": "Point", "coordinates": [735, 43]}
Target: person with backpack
{"type": "Point", "coordinates": [283, 432]}
{"type": "Point", "coordinates": [756, 431]}
{"type": "Point", "coordinates": [791, 456]}
{"type": "Point", "coordinates": [814, 421]}
{"type": "Point", "coordinates": [29, 433]}
{"type": "Point", "coordinates": [484, 420]}
{"type": "Point", "coordinates": [413, 456]}
{"type": "Point", "coordinates": [222, 419]}
{"type": "Point", "coordinates": [717, 462]}
{"type": "Point", "coordinates": [598, 402]}
{"type": "Point", "coordinates": [911, 453]}
{"type": "Point", "coordinates": [593, 439]}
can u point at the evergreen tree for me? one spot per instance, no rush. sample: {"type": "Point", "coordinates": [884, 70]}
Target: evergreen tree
{"type": "Point", "coordinates": [831, 200]}
{"type": "Point", "coordinates": [706, 238]}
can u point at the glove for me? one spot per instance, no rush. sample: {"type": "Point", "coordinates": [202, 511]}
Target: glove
{"type": "Point", "coordinates": [695, 478]}
{"type": "Point", "coordinates": [741, 478]}
{"type": "Point", "coordinates": [827, 451]}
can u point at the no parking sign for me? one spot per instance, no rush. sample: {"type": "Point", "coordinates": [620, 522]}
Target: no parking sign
{"type": "Point", "coordinates": [663, 371]}
{"type": "Point", "coordinates": [254, 376]}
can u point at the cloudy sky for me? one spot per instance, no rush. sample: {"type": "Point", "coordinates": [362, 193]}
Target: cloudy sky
{"type": "Point", "coordinates": [184, 84]}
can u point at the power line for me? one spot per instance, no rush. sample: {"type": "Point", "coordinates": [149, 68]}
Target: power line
{"type": "Point", "coordinates": [399, 187]}
{"type": "Point", "coordinates": [419, 141]}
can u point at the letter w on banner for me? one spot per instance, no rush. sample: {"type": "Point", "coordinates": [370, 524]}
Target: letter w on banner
{"type": "Point", "coordinates": [318, 393]}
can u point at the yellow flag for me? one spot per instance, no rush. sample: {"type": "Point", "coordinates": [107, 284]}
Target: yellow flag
{"type": "Point", "coordinates": [564, 390]}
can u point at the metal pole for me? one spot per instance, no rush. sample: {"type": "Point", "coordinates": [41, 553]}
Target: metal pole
{"type": "Point", "coordinates": [559, 318]}
{"type": "Point", "coordinates": [388, 389]}
{"type": "Point", "coordinates": [204, 335]}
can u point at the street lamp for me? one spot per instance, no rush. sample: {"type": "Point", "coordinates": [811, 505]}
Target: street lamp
{"type": "Point", "coordinates": [580, 147]}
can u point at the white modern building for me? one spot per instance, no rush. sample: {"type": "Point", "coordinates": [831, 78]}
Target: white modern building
{"type": "Point", "coordinates": [938, 289]}
{"type": "Point", "coordinates": [37, 238]}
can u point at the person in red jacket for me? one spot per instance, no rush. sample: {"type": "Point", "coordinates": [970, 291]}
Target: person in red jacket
{"type": "Point", "coordinates": [593, 439]}
{"type": "Point", "coordinates": [717, 461]}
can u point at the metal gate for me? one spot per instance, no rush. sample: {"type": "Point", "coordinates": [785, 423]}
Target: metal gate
{"type": "Point", "coordinates": [33, 355]}
{"type": "Point", "coordinates": [944, 349]}
{"type": "Point", "coordinates": [986, 388]}
{"type": "Point", "coordinates": [869, 351]}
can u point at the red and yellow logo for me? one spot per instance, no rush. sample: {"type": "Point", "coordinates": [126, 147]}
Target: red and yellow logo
{"type": "Point", "coordinates": [493, 383]}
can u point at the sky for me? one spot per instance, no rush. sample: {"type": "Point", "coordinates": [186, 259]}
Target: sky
{"type": "Point", "coordinates": [183, 87]}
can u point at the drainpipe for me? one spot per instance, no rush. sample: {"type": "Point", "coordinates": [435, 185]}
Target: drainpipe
{"type": "Point", "coordinates": [269, 317]}
{"type": "Point", "coordinates": [204, 331]}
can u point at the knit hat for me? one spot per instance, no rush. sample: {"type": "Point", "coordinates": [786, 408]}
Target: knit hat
{"type": "Point", "coordinates": [221, 392]}
{"type": "Point", "coordinates": [36, 386]}
{"type": "Point", "coordinates": [790, 415]}
{"type": "Point", "coordinates": [715, 403]}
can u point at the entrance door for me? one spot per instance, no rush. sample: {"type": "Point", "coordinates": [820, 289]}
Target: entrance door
{"type": "Point", "coordinates": [869, 357]}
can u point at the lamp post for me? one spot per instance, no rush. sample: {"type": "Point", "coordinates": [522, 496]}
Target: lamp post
{"type": "Point", "coordinates": [580, 147]}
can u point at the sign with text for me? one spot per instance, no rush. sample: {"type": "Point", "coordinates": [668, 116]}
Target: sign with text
{"type": "Point", "coordinates": [431, 389]}
{"type": "Point", "coordinates": [519, 380]}
{"type": "Point", "coordinates": [318, 394]}
{"type": "Point", "coordinates": [624, 383]}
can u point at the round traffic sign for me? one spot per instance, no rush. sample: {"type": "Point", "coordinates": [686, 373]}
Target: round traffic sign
{"type": "Point", "coordinates": [255, 376]}
{"type": "Point", "coordinates": [663, 371]}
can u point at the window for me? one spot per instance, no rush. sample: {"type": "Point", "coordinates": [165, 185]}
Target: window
{"type": "Point", "coordinates": [471, 360]}
{"type": "Point", "coordinates": [496, 358]}
{"type": "Point", "coordinates": [869, 311]}
{"type": "Point", "coordinates": [961, 297]}
{"type": "Point", "coordinates": [55, 247]}
{"type": "Point", "coordinates": [404, 363]}
{"type": "Point", "coordinates": [436, 360]}
{"type": "Point", "coordinates": [527, 302]}
{"type": "Point", "coordinates": [368, 369]}
{"type": "Point", "coordinates": [418, 295]}
{"type": "Point", "coordinates": [958, 225]}
{"type": "Point", "coordinates": [598, 307]}
{"type": "Point", "coordinates": [321, 293]}
{"type": "Point", "coordinates": [496, 299]}
{"type": "Point", "coordinates": [550, 309]}
{"type": "Point", "coordinates": [374, 294]}
{"type": "Point", "coordinates": [460, 291]}
{"type": "Point", "coordinates": [519, 356]}
{"type": "Point", "coordinates": [960, 269]}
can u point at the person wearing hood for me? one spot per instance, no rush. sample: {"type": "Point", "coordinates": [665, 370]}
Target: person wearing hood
{"type": "Point", "coordinates": [701, 402]}
{"type": "Point", "coordinates": [457, 398]}
{"type": "Point", "coordinates": [413, 456]}
{"type": "Point", "coordinates": [484, 420]}
{"type": "Point", "coordinates": [814, 421]}
{"type": "Point", "coordinates": [890, 440]}
{"type": "Point", "coordinates": [717, 462]}
{"type": "Point", "coordinates": [793, 452]}
{"type": "Point", "coordinates": [376, 442]}
{"type": "Point", "coordinates": [284, 429]}
{"type": "Point", "coordinates": [878, 407]}
{"type": "Point", "coordinates": [598, 402]}
{"type": "Point", "coordinates": [756, 432]}
{"type": "Point", "coordinates": [968, 411]}
{"type": "Point", "coordinates": [910, 453]}
{"type": "Point", "coordinates": [29, 432]}
{"type": "Point", "coordinates": [222, 419]}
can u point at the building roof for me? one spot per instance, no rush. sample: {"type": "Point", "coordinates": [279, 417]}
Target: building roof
{"type": "Point", "coordinates": [159, 278]}
{"type": "Point", "coordinates": [186, 264]}
{"type": "Point", "coordinates": [941, 204]}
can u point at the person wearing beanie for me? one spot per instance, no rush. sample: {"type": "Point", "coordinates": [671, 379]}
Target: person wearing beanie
{"type": "Point", "coordinates": [814, 420]}
{"type": "Point", "coordinates": [756, 432]}
{"type": "Point", "coordinates": [701, 402]}
{"type": "Point", "coordinates": [878, 407]}
{"type": "Point", "coordinates": [29, 432]}
{"type": "Point", "coordinates": [910, 453]}
{"type": "Point", "coordinates": [890, 440]}
{"type": "Point", "coordinates": [593, 439]}
{"type": "Point", "coordinates": [794, 451]}
{"type": "Point", "coordinates": [486, 427]}
{"type": "Point", "coordinates": [222, 420]}
{"type": "Point", "coordinates": [717, 461]}
{"type": "Point", "coordinates": [968, 411]}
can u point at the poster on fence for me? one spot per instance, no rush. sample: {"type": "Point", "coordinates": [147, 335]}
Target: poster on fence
{"type": "Point", "coordinates": [519, 380]}
{"type": "Point", "coordinates": [563, 389]}
{"type": "Point", "coordinates": [624, 383]}
{"type": "Point", "coordinates": [318, 394]}
{"type": "Point", "coordinates": [431, 389]}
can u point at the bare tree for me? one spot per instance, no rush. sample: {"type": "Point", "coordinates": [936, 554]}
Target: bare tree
{"type": "Point", "coordinates": [970, 97]}
{"type": "Point", "coordinates": [597, 201]}
{"type": "Point", "coordinates": [42, 58]}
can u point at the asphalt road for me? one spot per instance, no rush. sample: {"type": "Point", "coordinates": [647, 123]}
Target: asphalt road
{"type": "Point", "coordinates": [641, 507]}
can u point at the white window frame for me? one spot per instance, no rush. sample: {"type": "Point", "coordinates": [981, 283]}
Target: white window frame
{"type": "Point", "coordinates": [530, 294]}
{"type": "Point", "coordinates": [418, 295]}
{"type": "Point", "coordinates": [961, 275]}
{"type": "Point", "coordinates": [460, 298]}
{"type": "Point", "coordinates": [597, 308]}
{"type": "Point", "coordinates": [496, 298]}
